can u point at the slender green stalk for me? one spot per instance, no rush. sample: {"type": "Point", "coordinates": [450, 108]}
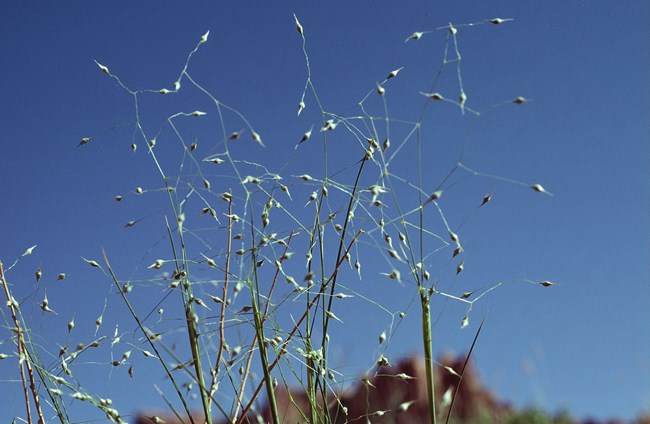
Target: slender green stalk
{"type": "Point", "coordinates": [427, 340]}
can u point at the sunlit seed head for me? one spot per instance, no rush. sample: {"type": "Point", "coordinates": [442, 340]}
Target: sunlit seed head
{"type": "Point", "coordinates": [301, 106]}
{"type": "Point", "coordinates": [216, 161]}
{"type": "Point", "coordinates": [519, 100]}
{"type": "Point", "coordinates": [130, 224]}
{"type": "Point", "coordinates": [164, 91]}
{"type": "Point", "coordinates": [459, 268]}
{"type": "Point", "coordinates": [298, 26]}
{"type": "Point", "coordinates": [235, 135]}
{"type": "Point", "coordinates": [257, 139]}
{"type": "Point", "coordinates": [546, 283]}
{"type": "Point", "coordinates": [382, 337]}
{"type": "Point", "coordinates": [84, 140]}
{"type": "Point", "coordinates": [457, 251]}
{"type": "Point", "coordinates": [465, 322]}
{"type": "Point", "coordinates": [61, 276]}
{"type": "Point", "coordinates": [204, 37]}
{"type": "Point", "coordinates": [177, 85]}
{"type": "Point", "coordinates": [206, 184]}
{"type": "Point", "coordinates": [381, 90]}
{"type": "Point", "coordinates": [157, 264]}
{"type": "Point", "coordinates": [127, 288]}
{"type": "Point", "coordinates": [98, 322]}
{"type": "Point", "coordinates": [414, 36]}
{"type": "Point", "coordinates": [118, 198]}
{"type": "Point", "coordinates": [134, 147]}
{"type": "Point", "coordinates": [403, 407]}
{"type": "Point", "coordinates": [435, 195]}
{"type": "Point", "coordinates": [462, 98]}
{"type": "Point", "coordinates": [433, 96]}
{"type": "Point", "coordinates": [498, 21]}
{"type": "Point", "coordinates": [486, 199]}
{"type": "Point", "coordinates": [138, 190]}
{"type": "Point", "coordinates": [226, 196]}
{"type": "Point", "coordinates": [152, 143]}
{"type": "Point", "coordinates": [71, 325]}
{"type": "Point", "coordinates": [306, 136]}
{"type": "Point", "coordinates": [329, 125]}
{"type": "Point", "coordinates": [92, 263]}
{"type": "Point", "coordinates": [452, 30]}
{"type": "Point", "coordinates": [426, 275]}
{"type": "Point", "coordinates": [453, 236]}
{"type": "Point", "coordinates": [538, 188]}
{"type": "Point", "coordinates": [305, 177]}
{"type": "Point", "coordinates": [446, 397]}
{"type": "Point", "coordinates": [466, 295]}
{"type": "Point", "coordinates": [393, 254]}
{"type": "Point", "coordinates": [38, 274]}
{"type": "Point", "coordinates": [385, 145]}
{"type": "Point", "coordinates": [103, 68]}
{"type": "Point", "coordinates": [393, 74]}
{"type": "Point", "coordinates": [381, 223]}
{"type": "Point", "coordinates": [234, 217]}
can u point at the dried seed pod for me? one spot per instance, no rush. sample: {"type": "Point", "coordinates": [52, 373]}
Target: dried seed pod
{"type": "Point", "coordinates": [198, 113]}
{"type": "Point", "coordinates": [61, 276]}
{"type": "Point", "coordinates": [28, 251]}
{"type": "Point", "coordinates": [298, 26]}
{"type": "Point", "coordinates": [235, 135]}
{"type": "Point", "coordinates": [466, 295]}
{"type": "Point", "coordinates": [385, 145]}
{"type": "Point", "coordinates": [134, 147]}
{"type": "Point", "coordinates": [138, 190]}
{"type": "Point", "coordinates": [459, 268]}
{"type": "Point", "coordinates": [164, 91]}
{"type": "Point", "coordinates": [546, 284]}
{"type": "Point", "coordinates": [38, 274]}
{"type": "Point", "coordinates": [331, 315]}
{"type": "Point", "coordinates": [94, 264]}
{"type": "Point", "coordinates": [538, 188]}
{"type": "Point", "coordinates": [519, 100]}
{"type": "Point", "coordinates": [435, 196]}
{"type": "Point", "coordinates": [329, 125]}
{"type": "Point", "coordinates": [382, 337]}
{"type": "Point", "coordinates": [380, 90]}
{"type": "Point", "coordinates": [103, 68]}
{"type": "Point", "coordinates": [393, 74]}
{"type": "Point", "coordinates": [118, 198]}
{"type": "Point", "coordinates": [453, 236]}
{"type": "Point", "coordinates": [462, 98]}
{"type": "Point", "coordinates": [71, 324]}
{"type": "Point", "coordinates": [301, 106]}
{"type": "Point", "coordinates": [433, 96]}
{"type": "Point", "coordinates": [257, 139]}
{"type": "Point", "coordinates": [204, 37]}
{"type": "Point", "coordinates": [465, 322]}
{"type": "Point", "coordinates": [415, 36]}
{"type": "Point", "coordinates": [487, 198]}
{"type": "Point", "coordinates": [499, 21]}
{"type": "Point", "coordinates": [403, 407]}
{"type": "Point", "coordinates": [84, 140]}
{"type": "Point", "coordinates": [306, 135]}
{"type": "Point", "coordinates": [206, 184]}
{"type": "Point", "coordinates": [305, 177]}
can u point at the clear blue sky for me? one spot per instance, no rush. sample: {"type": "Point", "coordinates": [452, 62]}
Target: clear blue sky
{"type": "Point", "coordinates": [581, 345]}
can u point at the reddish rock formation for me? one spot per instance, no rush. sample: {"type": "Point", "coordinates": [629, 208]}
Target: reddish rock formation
{"type": "Point", "coordinates": [393, 394]}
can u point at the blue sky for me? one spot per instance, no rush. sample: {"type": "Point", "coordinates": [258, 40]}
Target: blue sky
{"type": "Point", "coordinates": [581, 345]}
